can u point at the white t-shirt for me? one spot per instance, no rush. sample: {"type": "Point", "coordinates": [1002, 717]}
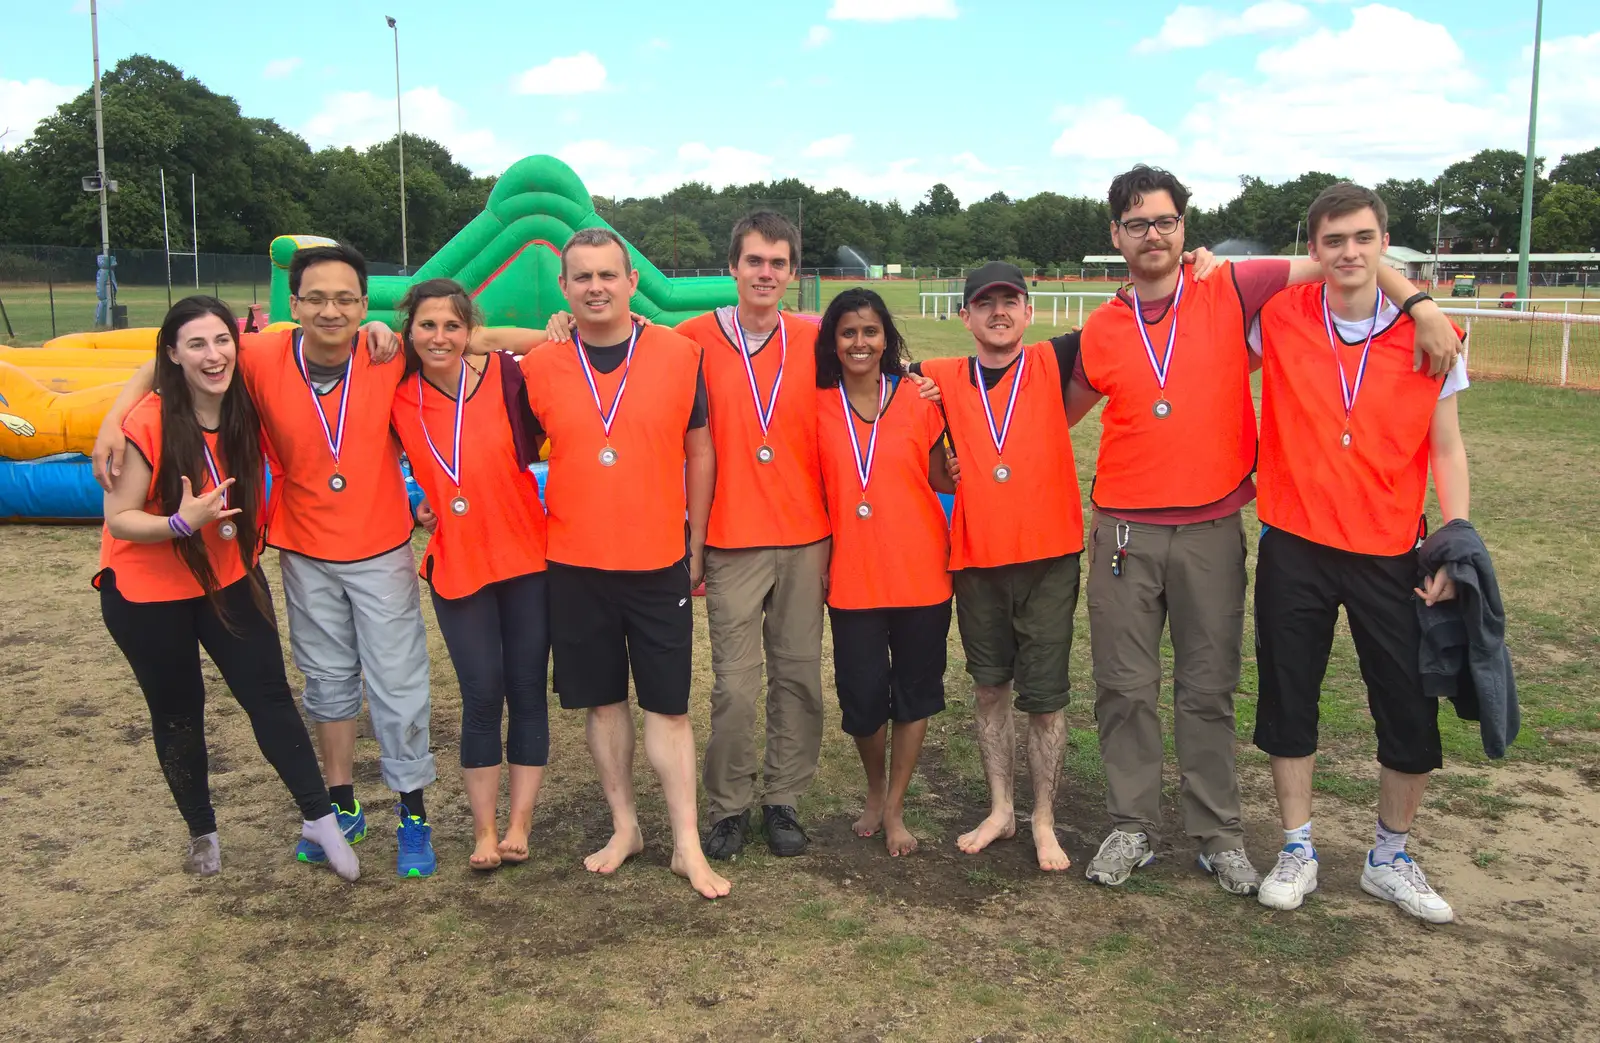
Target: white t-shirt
{"type": "Point", "coordinates": [1355, 332]}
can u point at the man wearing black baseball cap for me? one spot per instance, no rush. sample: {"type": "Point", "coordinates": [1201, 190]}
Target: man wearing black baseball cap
{"type": "Point", "coordinates": [1017, 532]}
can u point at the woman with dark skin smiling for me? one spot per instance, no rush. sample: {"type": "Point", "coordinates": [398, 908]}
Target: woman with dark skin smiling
{"type": "Point", "coordinates": [883, 461]}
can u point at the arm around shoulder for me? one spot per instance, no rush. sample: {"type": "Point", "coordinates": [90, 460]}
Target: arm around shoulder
{"type": "Point", "coordinates": [110, 444]}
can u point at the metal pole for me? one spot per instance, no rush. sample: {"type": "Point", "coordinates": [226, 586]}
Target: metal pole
{"type": "Point", "coordinates": [1438, 219]}
{"type": "Point", "coordinates": [52, 285]}
{"type": "Point", "coordinates": [166, 234]}
{"type": "Point", "coordinates": [100, 153]}
{"type": "Point", "coordinates": [1526, 239]}
{"type": "Point", "coordinates": [194, 229]}
{"type": "Point", "coordinates": [400, 139]}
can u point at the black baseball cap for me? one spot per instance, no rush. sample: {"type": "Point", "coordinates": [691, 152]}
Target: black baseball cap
{"type": "Point", "coordinates": [995, 273]}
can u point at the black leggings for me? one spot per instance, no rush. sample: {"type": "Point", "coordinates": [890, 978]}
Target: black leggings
{"type": "Point", "coordinates": [161, 640]}
{"type": "Point", "coordinates": [499, 640]}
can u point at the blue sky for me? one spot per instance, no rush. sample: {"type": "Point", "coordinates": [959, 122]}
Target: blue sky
{"type": "Point", "coordinates": [883, 97]}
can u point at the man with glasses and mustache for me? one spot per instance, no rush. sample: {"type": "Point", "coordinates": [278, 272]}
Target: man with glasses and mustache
{"type": "Point", "coordinates": [1167, 544]}
{"type": "Point", "coordinates": [340, 519]}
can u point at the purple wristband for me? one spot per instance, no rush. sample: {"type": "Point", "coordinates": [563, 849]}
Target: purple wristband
{"type": "Point", "coordinates": [179, 526]}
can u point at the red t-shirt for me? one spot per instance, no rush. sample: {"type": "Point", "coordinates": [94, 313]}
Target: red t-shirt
{"type": "Point", "coordinates": [1257, 281]}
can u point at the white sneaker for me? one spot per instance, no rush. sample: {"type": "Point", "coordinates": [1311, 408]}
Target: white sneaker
{"type": "Point", "coordinates": [1294, 877]}
{"type": "Point", "coordinates": [1402, 883]}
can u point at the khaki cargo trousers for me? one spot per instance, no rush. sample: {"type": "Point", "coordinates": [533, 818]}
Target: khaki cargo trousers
{"type": "Point", "coordinates": [1191, 578]}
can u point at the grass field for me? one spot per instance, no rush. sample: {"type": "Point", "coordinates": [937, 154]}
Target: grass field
{"type": "Point", "coordinates": [102, 938]}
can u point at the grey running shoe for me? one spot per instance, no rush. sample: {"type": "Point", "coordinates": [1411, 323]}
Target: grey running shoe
{"type": "Point", "coordinates": [204, 857]}
{"type": "Point", "coordinates": [1119, 855]}
{"type": "Point", "coordinates": [1233, 871]}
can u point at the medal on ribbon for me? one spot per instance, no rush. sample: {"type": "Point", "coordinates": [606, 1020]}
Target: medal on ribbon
{"type": "Point", "coordinates": [227, 529]}
{"type": "Point", "coordinates": [1163, 408]}
{"type": "Point", "coordinates": [864, 467]}
{"type": "Point", "coordinates": [763, 415]}
{"type": "Point", "coordinates": [608, 455]}
{"type": "Point", "coordinates": [334, 435]}
{"type": "Point", "coordinates": [1002, 470]}
{"type": "Point", "coordinates": [452, 470]}
{"type": "Point", "coordinates": [1347, 390]}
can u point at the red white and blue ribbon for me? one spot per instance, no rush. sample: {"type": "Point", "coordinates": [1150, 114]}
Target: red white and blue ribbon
{"type": "Point", "coordinates": [763, 415]}
{"type": "Point", "coordinates": [606, 416]}
{"type": "Point", "coordinates": [335, 436]}
{"type": "Point", "coordinates": [864, 468]}
{"type": "Point", "coordinates": [1162, 367]}
{"type": "Point", "coordinates": [1348, 391]}
{"type": "Point", "coordinates": [216, 475]}
{"type": "Point", "coordinates": [452, 470]}
{"type": "Point", "coordinates": [998, 434]}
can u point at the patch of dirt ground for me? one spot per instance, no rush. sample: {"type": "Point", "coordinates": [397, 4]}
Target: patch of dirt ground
{"type": "Point", "coordinates": [101, 938]}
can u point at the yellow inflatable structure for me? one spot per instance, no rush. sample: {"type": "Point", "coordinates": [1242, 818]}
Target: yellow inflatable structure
{"type": "Point", "coordinates": [36, 421]}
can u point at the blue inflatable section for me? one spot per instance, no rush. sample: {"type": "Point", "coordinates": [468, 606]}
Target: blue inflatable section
{"type": "Point", "coordinates": [54, 488]}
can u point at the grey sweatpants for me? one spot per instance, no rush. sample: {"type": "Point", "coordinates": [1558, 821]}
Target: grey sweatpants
{"type": "Point", "coordinates": [363, 619]}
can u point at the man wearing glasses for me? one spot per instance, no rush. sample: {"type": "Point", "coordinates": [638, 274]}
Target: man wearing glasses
{"type": "Point", "coordinates": [342, 525]}
{"type": "Point", "coordinates": [1167, 545]}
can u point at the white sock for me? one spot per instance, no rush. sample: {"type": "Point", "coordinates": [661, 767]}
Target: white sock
{"type": "Point", "coordinates": [1390, 844]}
{"type": "Point", "coordinates": [1300, 835]}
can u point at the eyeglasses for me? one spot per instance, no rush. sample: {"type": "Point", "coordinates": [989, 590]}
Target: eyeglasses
{"type": "Point", "coordinates": [1138, 227]}
{"type": "Point", "coordinates": [343, 301]}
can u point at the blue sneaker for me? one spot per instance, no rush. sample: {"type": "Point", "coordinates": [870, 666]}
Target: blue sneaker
{"type": "Point", "coordinates": [354, 825]}
{"type": "Point", "coordinates": [414, 839]}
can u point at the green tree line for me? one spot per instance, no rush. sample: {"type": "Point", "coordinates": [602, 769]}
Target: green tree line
{"type": "Point", "coordinates": [258, 180]}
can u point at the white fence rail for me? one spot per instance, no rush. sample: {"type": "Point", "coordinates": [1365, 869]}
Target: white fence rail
{"type": "Point", "coordinates": [1537, 341]}
{"type": "Point", "coordinates": [1069, 306]}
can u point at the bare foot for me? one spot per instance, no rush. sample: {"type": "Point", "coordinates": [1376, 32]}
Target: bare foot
{"type": "Point", "coordinates": [871, 819]}
{"type": "Point", "coordinates": [989, 830]}
{"type": "Point", "coordinates": [897, 838]}
{"type": "Point", "coordinates": [485, 855]}
{"type": "Point", "coordinates": [621, 847]}
{"type": "Point", "coordinates": [1052, 857]}
{"type": "Point", "coordinates": [514, 848]}
{"type": "Point", "coordinates": [695, 869]}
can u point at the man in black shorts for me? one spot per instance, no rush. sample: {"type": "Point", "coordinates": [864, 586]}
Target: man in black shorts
{"type": "Point", "coordinates": [624, 407]}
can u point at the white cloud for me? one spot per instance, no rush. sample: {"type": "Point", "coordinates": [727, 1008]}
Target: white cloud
{"type": "Point", "coordinates": [658, 44]}
{"type": "Point", "coordinates": [23, 103]}
{"type": "Point", "coordinates": [818, 35]}
{"type": "Point", "coordinates": [970, 161]}
{"type": "Point", "coordinates": [1190, 26]}
{"type": "Point", "coordinates": [278, 68]}
{"type": "Point", "coordinates": [1334, 100]}
{"type": "Point", "coordinates": [622, 170]}
{"type": "Point", "coordinates": [361, 118]}
{"type": "Point", "coordinates": [890, 10]}
{"type": "Point", "coordinates": [826, 148]}
{"type": "Point", "coordinates": [1103, 129]}
{"type": "Point", "coordinates": [574, 74]}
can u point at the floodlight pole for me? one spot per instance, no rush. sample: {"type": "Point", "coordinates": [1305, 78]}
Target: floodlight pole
{"type": "Point", "coordinates": [100, 148]}
{"type": "Point", "coordinates": [1438, 223]}
{"type": "Point", "coordinates": [1526, 239]}
{"type": "Point", "coordinates": [400, 140]}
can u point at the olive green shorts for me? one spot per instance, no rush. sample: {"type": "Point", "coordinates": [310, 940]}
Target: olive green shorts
{"type": "Point", "coordinates": [1016, 625]}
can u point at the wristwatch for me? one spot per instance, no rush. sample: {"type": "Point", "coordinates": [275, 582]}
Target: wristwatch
{"type": "Point", "coordinates": [1413, 300]}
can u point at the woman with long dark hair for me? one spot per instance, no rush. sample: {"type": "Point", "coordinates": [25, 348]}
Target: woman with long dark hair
{"type": "Point", "coordinates": [883, 462]}
{"type": "Point", "coordinates": [179, 571]}
{"type": "Point", "coordinates": [470, 436]}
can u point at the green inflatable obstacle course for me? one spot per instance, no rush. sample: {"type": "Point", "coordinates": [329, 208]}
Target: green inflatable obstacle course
{"type": "Point", "coordinates": [509, 257]}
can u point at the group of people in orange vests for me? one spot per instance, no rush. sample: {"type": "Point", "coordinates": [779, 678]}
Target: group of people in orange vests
{"type": "Point", "coordinates": [790, 466]}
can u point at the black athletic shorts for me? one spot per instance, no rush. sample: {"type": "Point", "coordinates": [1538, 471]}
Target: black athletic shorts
{"type": "Point", "coordinates": [1299, 588]}
{"type": "Point", "coordinates": [602, 621]}
{"type": "Point", "coordinates": [888, 664]}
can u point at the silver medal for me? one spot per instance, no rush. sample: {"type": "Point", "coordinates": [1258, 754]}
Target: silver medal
{"type": "Point", "coordinates": [608, 457]}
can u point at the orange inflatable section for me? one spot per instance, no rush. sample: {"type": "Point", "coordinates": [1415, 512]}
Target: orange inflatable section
{"type": "Point", "coordinates": [36, 421]}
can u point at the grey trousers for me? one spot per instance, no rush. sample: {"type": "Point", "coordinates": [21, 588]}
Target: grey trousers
{"type": "Point", "coordinates": [350, 621]}
{"type": "Point", "coordinates": [1191, 577]}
